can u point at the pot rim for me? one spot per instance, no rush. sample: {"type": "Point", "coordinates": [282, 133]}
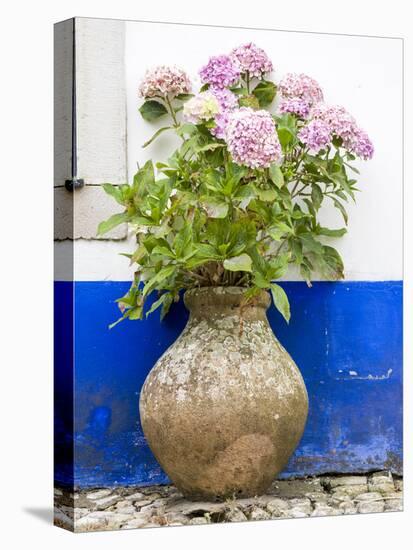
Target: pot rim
{"type": "Point", "coordinates": [224, 296]}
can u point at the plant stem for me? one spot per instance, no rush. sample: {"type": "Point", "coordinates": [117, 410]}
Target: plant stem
{"type": "Point", "coordinates": [172, 112]}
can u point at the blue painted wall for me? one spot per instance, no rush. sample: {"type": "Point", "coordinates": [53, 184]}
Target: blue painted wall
{"type": "Point", "coordinates": [346, 338]}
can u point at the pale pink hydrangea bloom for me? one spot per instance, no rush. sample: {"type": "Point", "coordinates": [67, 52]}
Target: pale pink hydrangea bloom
{"type": "Point", "coordinates": [304, 90]}
{"type": "Point", "coordinates": [252, 138]}
{"type": "Point", "coordinates": [164, 80]}
{"type": "Point", "coordinates": [252, 60]}
{"type": "Point", "coordinates": [204, 106]}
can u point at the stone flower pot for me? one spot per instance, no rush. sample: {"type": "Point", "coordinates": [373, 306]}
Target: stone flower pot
{"type": "Point", "coordinates": [225, 406]}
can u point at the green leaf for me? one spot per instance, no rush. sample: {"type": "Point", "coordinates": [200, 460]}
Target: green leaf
{"type": "Point", "coordinates": [163, 251]}
{"type": "Point", "coordinates": [144, 178]}
{"type": "Point", "coordinates": [297, 250]}
{"type": "Point", "coordinates": [249, 101]}
{"type": "Point", "coordinates": [311, 244]}
{"type": "Point", "coordinates": [152, 110]}
{"type": "Point", "coordinates": [276, 175]}
{"type": "Point", "coordinates": [285, 136]}
{"type": "Point", "coordinates": [239, 91]}
{"type": "Point", "coordinates": [333, 267]}
{"type": "Point", "coordinates": [265, 92]}
{"type": "Point", "coordinates": [155, 135]}
{"type": "Point", "coordinates": [159, 278]}
{"type": "Point", "coordinates": [139, 253]}
{"type": "Point", "coordinates": [316, 196]}
{"type": "Point", "coordinates": [209, 147]}
{"type": "Point", "coordinates": [215, 208]}
{"type": "Point", "coordinates": [207, 252]}
{"type": "Point", "coordinates": [281, 301]}
{"type": "Point", "coordinates": [184, 97]}
{"type": "Point", "coordinates": [330, 232]}
{"type": "Point", "coordinates": [135, 313]}
{"type": "Point", "coordinates": [164, 297]}
{"type": "Point", "coordinates": [242, 262]}
{"type": "Point", "coordinates": [266, 195]}
{"type": "Point", "coordinates": [340, 207]}
{"type": "Point", "coordinates": [187, 129]}
{"type": "Point", "coordinates": [167, 304]}
{"type": "Point", "coordinates": [115, 192]}
{"type": "Point", "coordinates": [112, 222]}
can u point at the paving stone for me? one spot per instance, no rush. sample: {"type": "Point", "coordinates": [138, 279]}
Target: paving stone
{"type": "Point", "coordinates": [101, 493]}
{"type": "Point", "coordinates": [348, 507]}
{"type": "Point", "coordinates": [136, 523]}
{"type": "Point", "coordinates": [381, 477]}
{"type": "Point", "coordinates": [383, 488]}
{"type": "Point", "coordinates": [398, 484]}
{"type": "Point", "coordinates": [128, 508]}
{"type": "Point", "coordinates": [125, 508]}
{"type": "Point", "coordinates": [296, 488]}
{"type": "Point", "coordinates": [199, 521]}
{"type": "Point", "coordinates": [278, 507]}
{"type": "Point", "coordinates": [139, 504]}
{"type": "Point", "coordinates": [300, 507]}
{"type": "Point", "coordinates": [349, 490]}
{"type": "Point", "coordinates": [393, 502]}
{"type": "Point", "coordinates": [104, 503]}
{"type": "Point", "coordinates": [346, 481]}
{"type": "Point", "coordinates": [369, 503]}
{"type": "Point", "coordinates": [62, 520]}
{"type": "Point", "coordinates": [258, 514]}
{"type": "Point", "coordinates": [135, 496]}
{"type": "Point", "coordinates": [234, 515]}
{"type": "Point", "coordinates": [321, 510]}
{"type": "Point", "coordinates": [381, 482]}
{"type": "Point", "coordinates": [79, 513]}
{"type": "Point", "coordinates": [176, 517]}
{"type": "Point", "coordinates": [88, 523]}
{"type": "Point", "coordinates": [187, 507]}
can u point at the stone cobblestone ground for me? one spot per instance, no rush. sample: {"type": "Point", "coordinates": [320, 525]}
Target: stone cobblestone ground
{"type": "Point", "coordinates": [156, 506]}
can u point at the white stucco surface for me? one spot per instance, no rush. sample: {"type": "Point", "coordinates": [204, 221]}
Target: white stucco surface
{"type": "Point", "coordinates": [363, 74]}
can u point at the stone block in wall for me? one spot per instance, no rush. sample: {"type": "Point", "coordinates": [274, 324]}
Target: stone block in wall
{"type": "Point", "coordinates": [90, 124]}
{"type": "Point", "coordinates": [78, 214]}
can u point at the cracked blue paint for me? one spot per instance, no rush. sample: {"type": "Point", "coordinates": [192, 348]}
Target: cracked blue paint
{"type": "Point", "coordinates": [345, 337]}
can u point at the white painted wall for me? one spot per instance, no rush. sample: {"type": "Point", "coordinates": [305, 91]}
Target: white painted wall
{"type": "Point", "coordinates": [363, 74]}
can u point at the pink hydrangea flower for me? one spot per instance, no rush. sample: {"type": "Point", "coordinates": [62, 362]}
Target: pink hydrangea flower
{"type": "Point", "coordinates": [361, 145]}
{"type": "Point", "coordinates": [228, 102]}
{"type": "Point", "coordinates": [252, 59]}
{"type": "Point", "coordinates": [343, 125]}
{"type": "Point", "coordinates": [227, 99]}
{"type": "Point", "coordinates": [252, 138]}
{"type": "Point", "coordinates": [296, 106]}
{"type": "Point", "coordinates": [316, 135]}
{"type": "Point", "coordinates": [164, 80]}
{"type": "Point", "coordinates": [221, 72]}
{"type": "Point", "coordinates": [300, 86]}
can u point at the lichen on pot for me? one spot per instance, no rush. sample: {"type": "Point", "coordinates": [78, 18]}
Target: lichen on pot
{"type": "Point", "coordinates": [225, 405]}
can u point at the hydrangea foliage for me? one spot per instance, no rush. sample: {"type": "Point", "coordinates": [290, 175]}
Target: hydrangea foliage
{"type": "Point", "coordinates": [239, 200]}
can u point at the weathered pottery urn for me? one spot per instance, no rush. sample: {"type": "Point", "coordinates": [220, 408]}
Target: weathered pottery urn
{"type": "Point", "coordinates": [225, 406]}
